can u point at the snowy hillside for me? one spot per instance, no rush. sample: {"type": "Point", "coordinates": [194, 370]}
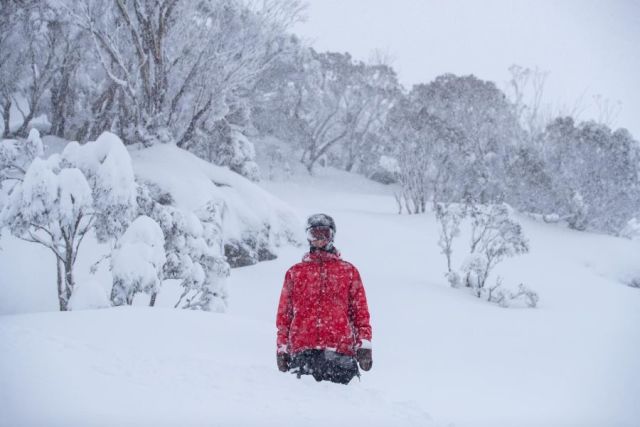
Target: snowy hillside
{"type": "Point", "coordinates": [441, 356]}
{"type": "Point", "coordinates": [249, 224]}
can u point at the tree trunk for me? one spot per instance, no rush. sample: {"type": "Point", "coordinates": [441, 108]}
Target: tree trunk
{"type": "Point", "coordinates": [350, 163]}
{"type": "Point", "coordinates": [60, 99]}
{"type": "Point", "coordinates": [6, 115]}
{"type": "Point", "coordinates": [68, 278]}
{"type": "Point", "coordinates": [153, 299]}
{"type": "Point", "coordinates": [61, 296]}
{"type": "Point", "coordinates": [22, 131]}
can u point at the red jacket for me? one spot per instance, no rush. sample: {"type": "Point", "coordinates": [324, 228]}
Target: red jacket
{"type": "Point", "coordinates": [322, 306]}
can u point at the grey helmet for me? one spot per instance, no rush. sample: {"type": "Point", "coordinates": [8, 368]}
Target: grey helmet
{"type": "Point", "coordinates": [321, 220]}
{"type": "Point", "coordinates": [315, 225]}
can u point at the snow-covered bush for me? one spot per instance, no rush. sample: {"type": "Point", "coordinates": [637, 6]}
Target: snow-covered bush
{"type": "Point", "coordinates": [631, 230]}
{"type": "Point", "coordinates": [522, 297]}
{"type": "Point", "coordinates": [60, 199]}
{"type": "Point", "coordinates": [579, 212]}
{"type": "Point", "coordinates": [193, 247]}
{"type": "Point", "coordinates": [17, 154]}
{"type": "Point", "coordinates": [494, 237]}
{"type": "Point", "coordinates": [107, 165]}
{"type": "Point", "coordinates": [225, 144]}
{"type": "Point", "coordinates": [449, 217]}
{"type": "Point", "coordinates": [137, 261]}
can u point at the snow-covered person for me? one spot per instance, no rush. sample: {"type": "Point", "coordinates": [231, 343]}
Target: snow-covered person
{"type": "Point", "coordinates": [323, 317]}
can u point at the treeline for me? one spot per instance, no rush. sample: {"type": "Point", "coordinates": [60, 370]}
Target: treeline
{"type": "Point", "coordinates": [212, 75]}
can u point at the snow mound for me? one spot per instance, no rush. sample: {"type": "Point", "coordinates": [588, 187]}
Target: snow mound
{"type": "Point", "coordinates": [89, 295]}
{"type": "Point", "coordinates": [254, 223]}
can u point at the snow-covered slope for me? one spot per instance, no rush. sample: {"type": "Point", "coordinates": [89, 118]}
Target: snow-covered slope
{"type": "Point", "coordinates": [164, 367]}
{"type": "Point", "coordinates": [441, 356]}
{"type": "Point", "coordinates": [193, 182]}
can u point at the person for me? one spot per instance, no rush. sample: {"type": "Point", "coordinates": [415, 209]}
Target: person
{"type": "Point", "coordinates": [323, 318]}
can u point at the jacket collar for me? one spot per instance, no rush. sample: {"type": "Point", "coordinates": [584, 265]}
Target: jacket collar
{"type": "Point", "coordinates": [320, 256]}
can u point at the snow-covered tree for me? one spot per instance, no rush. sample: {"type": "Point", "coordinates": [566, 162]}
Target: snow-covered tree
{"type": "Point", "coordinates": [194, 249]}
{"type": "Point", "coordinates": [430, 155]}
{"type": "Point", "coordinates": [60, 199]}
{"type": "Point", "coordinates": [36, 47]}
{"type": "Point", "coordinates": [595, 175]}
{"type": "Point", "coordinates": [17, 154]}
{"type": "Point", "coordinates": [480, 112]}
{"type": "Point", "coordinates": [316, 100]}
{"type": "Point", "coordinates": [107, 165]}
{"type": "Point", "coordinates": [372, 92]}
{"type": "Point", "coordinates": [494, 237]}
{"type": "Point", "coordinates": [173, 64]}
{"type": "Point", "coordinates": [137, 261]}
{"type": "Point", "coordinates": [53, 207]}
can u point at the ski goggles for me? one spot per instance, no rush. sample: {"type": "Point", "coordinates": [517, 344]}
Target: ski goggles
{"type": "Point", "coordinates": [320, 233]}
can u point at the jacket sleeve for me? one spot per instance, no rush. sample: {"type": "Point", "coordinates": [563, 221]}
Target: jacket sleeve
{"type": "Point", "coordinates": [285, 315]}
{"type": "Point", "coordinates": [359, 312]}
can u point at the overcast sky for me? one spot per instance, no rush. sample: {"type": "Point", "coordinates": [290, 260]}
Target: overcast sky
{"type": "Point", "coordinates": [588, 47]}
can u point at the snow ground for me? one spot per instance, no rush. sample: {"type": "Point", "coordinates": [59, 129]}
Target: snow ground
{"type": "Point", "coordinates": [441, 357]}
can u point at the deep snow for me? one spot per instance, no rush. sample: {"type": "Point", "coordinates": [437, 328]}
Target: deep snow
{"type": "Point", "coordinates": [441, 356]}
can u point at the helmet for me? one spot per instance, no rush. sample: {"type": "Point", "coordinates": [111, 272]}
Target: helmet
{"type": "Point", "coordinates": [321, 220]}
{"type": "Point", "coordinates": [320, 227]}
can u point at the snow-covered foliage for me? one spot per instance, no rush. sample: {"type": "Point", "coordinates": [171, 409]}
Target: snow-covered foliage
{"type": "Point", "coordinates": [52, 206]}
{"type": "Point", "coordinates": [226, 145]}
{"type": "Point", "coordinates": [61, 198]}
{"type": "Point", "coordinates": [32, 55]}
{"type": "Point", "coordinates": [17, 154]}
{"type": "Point", "coordinates": [632, 229]}
{"type": "Point", "coordinates": [194, 250]}
{"type": "Point", "coordinates": [326, 103]}
{"type": "Point", "coordinates": [594, 175]}
{"type": "Point", "coordinates": [137, 261]}
{"type": "Point", "coordinates": [494, 236]}
{"type": "Point", "coordinates": [252, 222]}
{"type": "Point", "coordinates": [107, 165]}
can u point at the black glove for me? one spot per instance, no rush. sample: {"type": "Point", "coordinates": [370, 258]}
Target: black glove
{"type": "Point", "coordinates": [363, 355]}
{"type": "Point", "coordinates": [283, 360]}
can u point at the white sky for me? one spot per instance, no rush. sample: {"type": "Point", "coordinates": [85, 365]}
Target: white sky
{"type": "Point", "coordinates": [589, 47]}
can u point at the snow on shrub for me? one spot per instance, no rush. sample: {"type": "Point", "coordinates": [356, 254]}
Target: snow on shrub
{"type": "Point", "coordinates": [59, 199]}
{"type": "Point", "coordinates": [253, 222]}
{"type": "Point", "coordinates": [194, 250]}
{"type": "Point", "coordinates": [494, 237]}
{"type": "Point", "coordinates": [137, 261]}
{"type": "Point", "coordinates": [17, 155]}
{"type": "Point", "coordinates": [107, 165]}
{"type": "Point", "coordinates": [632, 229]}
